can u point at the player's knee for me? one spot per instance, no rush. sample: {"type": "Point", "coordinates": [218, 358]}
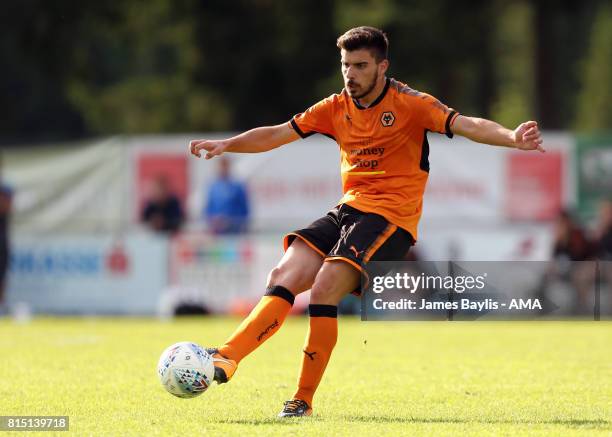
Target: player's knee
{"type": "Point", "coordinates": [291, 279]}
{"type": "Point", "coordinates": [322, 290]}
{"type": "Point", "coordinates": [274, 277]}
{"type": "Point", "coordinates": [317, 293]}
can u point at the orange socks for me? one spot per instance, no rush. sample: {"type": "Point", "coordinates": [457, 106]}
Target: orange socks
{"type": "Point", "coordinates": [268, 316]}
{"type": "Point", "coordinates": [263, 322]}
{"type": "Point", "coordinates": [320, 342]}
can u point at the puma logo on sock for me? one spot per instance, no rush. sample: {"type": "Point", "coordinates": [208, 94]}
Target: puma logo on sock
{"type": "Point", "coordinates": [310, 354]}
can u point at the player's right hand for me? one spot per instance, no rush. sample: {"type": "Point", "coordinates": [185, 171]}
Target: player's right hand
{"type": "Point", "coordinates": [212, 148]}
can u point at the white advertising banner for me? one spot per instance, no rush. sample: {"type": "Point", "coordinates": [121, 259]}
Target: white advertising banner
{"type": "Point", "coordinates": [98, 187]}
{"type": "Point", "coordinates": [222, 274]}
{"type": "Point", "coordinates": [76, 188]}
{"type": "Point", "coordinates": [299, 182]}
{"type": "Point", "coordinates": [88, 275]}
{"type": "Point", "coordinates": [482, 184]}
{"type": "Point", "coordinates": [289, 186]}
{"type": "Point", "coordinates": [465, 180]}
{"type": "Point", "coordinates": [485, 243]}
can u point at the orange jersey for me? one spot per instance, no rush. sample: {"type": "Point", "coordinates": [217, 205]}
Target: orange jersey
{"type": "Point", "coordinates": [384, 149]}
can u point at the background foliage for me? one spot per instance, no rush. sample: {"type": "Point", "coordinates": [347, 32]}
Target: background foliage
{"type": "Point", "coordinates": [77, 69]}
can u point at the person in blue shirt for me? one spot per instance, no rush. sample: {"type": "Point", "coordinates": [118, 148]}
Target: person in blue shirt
{"type": "Point", "coordinates": [227, 208]}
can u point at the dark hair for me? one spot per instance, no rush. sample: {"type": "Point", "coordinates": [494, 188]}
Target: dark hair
{"type": "Point", "coordinates": [365, 37]}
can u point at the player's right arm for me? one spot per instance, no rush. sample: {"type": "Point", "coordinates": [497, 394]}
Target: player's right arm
{"type": "Point", "coordinates": [256, 140]}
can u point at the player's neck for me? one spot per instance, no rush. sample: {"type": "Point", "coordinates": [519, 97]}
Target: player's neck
{"type": "Point", "coordinates": [373, 95]}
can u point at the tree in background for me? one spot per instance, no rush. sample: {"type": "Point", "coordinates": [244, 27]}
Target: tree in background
{"type": "Point", "coordinates": [134, 72]}
{"type": "Point", "coordinates": [266, 57]}
{"type": "Point", "coordinates": [562, 29]}
{"type": "Point", "coordinates": [77, 69]}
{"type": "Point", "coordinates": [594, 108]}
{"type": "Point", "coordinates": [438, 47]}
{"type": "Point", "coordinates": [514, 63]}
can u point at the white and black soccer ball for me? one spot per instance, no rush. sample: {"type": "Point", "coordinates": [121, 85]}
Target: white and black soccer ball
{"type": "Point", "coordinates": [185, 369]}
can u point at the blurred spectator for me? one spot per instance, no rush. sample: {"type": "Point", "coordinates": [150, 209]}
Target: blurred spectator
{"type": "Point", "coordinates": [162, 211]}
{"type": "Point", "coordinates": [571, 242]}
{"type": "Point", "coordinates": [603, 233]}
{"type": "Point", "coordinates": [227, 208]}
{"type": "Point", "coordinates": [570, 247]}
{"type": "Point", "coordinates": [6, 197]}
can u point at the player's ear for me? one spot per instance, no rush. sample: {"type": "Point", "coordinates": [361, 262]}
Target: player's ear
{"type": "Point", "coordinates": [383, 66]}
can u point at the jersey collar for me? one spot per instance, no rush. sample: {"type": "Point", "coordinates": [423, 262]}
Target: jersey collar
{"type": "Point", "coordinates": [378, 99]}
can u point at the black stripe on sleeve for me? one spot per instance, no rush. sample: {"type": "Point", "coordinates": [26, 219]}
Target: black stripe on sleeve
{"type": "Point", "coordinates": [447, 128]}
{"type": "Point", "coordinates": [329, 136]}
{"type": "Point", "coordinates": [303, 134]}
{"type": "Point", "coordinates": [296, 128]}
{"type": "Point", "coordinates": [424, 164]}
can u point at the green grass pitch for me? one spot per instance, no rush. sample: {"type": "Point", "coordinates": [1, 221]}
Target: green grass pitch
{"type": "Point", "coordinates": [402, 378]}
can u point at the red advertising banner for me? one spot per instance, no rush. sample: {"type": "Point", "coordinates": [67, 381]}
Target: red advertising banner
{"type": "Point", "coordinates": [155, 165]}
{"type": "Point", "coordinates": [534, 184]}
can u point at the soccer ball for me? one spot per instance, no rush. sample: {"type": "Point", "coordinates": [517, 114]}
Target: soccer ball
{"type": "Point", "coordinates": [185, 369]}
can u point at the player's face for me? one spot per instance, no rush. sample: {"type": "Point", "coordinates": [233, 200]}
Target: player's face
{"type": "Point", "coordinates": [360, 72]}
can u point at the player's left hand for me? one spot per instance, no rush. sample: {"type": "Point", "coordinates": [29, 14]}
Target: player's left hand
{"type": "Point", "coordinates": [527, 136]}
{"type": "Point", "coordinates": [211, 147]}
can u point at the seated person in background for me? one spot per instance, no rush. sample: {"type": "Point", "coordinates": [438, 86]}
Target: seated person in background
{"type": "Point", "coordinates": [162, 211]}
{"type": "Point", "coordinates": [571, 244]}
{"type": "Point", "coordinates": [603, 233]}
{"type": "Point", "coordinates": [227, 207]}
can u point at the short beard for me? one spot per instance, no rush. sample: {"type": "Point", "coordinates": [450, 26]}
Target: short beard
{"type": "Point", "coordinates": [369, 89]}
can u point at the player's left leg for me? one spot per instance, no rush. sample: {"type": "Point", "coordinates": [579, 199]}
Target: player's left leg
{"type": "Point", "coordinates": [296, 272]}
{"type": "Point", "coordinates": [334, 281]}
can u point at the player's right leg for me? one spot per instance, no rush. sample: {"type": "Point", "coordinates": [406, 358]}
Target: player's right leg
{"type": "Point", "coordinates": [294, 274]}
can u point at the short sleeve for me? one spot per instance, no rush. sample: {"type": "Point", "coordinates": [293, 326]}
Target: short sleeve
{"type": "Point", "coordinates": [435, 115]}
{"type": "Point", "coordinates": [316, 119]}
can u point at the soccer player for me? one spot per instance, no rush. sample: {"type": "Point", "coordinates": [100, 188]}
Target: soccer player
{"type": "Point", "coordinates": [381, 127]}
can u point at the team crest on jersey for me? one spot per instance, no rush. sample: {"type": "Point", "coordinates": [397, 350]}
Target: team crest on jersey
{"type": "Point", "coordinates": [387, 118]}
{"type": "Point", "coordinates": [348, 119]}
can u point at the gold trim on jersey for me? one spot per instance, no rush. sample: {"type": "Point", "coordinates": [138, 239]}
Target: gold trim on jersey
{"type": "Point", "coordinates": [360, 173]}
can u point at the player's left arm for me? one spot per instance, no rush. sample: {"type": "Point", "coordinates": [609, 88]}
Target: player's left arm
{"type": "Point", "coordinates": [526, 136]}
